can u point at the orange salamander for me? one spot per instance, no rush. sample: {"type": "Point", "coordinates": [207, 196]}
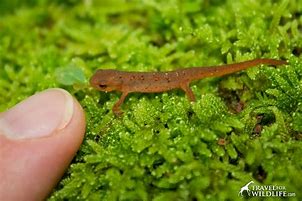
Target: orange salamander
{"type": "Point", "coordinates": [150, 82]}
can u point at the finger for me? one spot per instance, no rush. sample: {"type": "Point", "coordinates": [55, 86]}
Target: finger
{"type": "Point", "coordinates": [38, 139]}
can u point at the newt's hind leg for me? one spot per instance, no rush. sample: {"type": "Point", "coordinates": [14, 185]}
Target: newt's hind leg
{"type": "Point", "coordinates": [188, 92]}
{"type": "Point", "coordinates": [117, 106]}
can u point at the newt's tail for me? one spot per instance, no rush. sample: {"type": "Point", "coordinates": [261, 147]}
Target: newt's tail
{"type": "Point", "coordinates": [255, 62]}
{"type": "Point", "coordinates": [216, 71]}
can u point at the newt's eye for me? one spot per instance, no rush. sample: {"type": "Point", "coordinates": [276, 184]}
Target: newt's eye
{"type": "Point", "coordinates": [103, 86]}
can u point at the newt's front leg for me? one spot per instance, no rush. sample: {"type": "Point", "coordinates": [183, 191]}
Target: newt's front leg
{"type": "Point", "coordinates": [117, 106]}
{"type": "Point", "coordinates": [186, 88]}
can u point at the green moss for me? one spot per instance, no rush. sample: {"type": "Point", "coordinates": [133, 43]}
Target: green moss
{"type": "Point", "coordinates": [163, 147]}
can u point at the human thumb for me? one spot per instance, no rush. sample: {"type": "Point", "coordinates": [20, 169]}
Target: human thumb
{"type": "Point", "coordinates": [38, 139]}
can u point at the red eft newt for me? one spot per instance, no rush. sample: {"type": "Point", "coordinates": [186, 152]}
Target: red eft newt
{"type": "Point", "coordinates": [151, 82]}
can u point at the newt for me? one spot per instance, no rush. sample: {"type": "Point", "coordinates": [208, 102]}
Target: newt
{"type": "Point", "coordinates": [108, 80]}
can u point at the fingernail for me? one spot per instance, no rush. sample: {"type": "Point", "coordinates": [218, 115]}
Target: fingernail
{"type": "Point", "coordinates": [38, 116]}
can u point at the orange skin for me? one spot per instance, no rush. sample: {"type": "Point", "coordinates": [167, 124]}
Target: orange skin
{"type": "Point", "coordinates": [152, 82]}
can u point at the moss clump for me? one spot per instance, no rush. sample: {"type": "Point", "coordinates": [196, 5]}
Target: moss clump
{"type": "Point", "coordinates": [243, 127]}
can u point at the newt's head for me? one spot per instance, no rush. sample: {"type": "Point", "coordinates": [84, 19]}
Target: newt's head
{"type": "Point", "coordinates": [106, 80]}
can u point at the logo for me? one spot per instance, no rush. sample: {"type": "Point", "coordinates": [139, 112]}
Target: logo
{"type": "Point", "coordinates": [245, 188]}
{"type": "Point", "coordinates": [250, 190]}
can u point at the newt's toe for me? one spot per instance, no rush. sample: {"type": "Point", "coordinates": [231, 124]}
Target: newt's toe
{"type": "Point", "coordinates": [117, 112]}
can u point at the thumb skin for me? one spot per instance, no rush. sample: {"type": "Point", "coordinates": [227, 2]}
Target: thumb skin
{"type": "Point", "coordinates": [38, 139]}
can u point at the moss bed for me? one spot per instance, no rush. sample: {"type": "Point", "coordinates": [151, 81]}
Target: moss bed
{"type": "Point", "coordinates": [243, 127]}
